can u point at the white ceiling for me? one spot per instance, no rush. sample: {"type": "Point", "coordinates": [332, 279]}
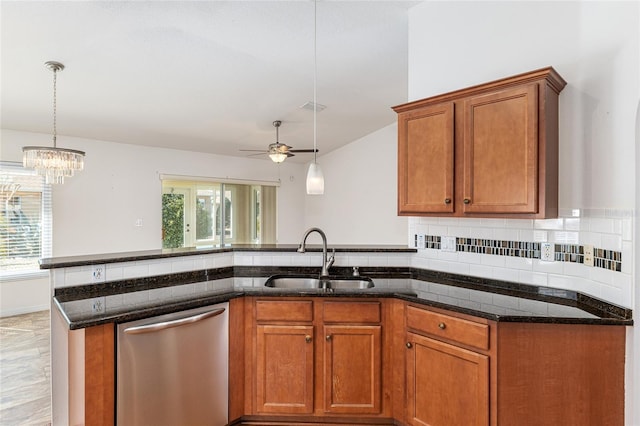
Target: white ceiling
{"type": "Point", "coordinates": [206, 76]}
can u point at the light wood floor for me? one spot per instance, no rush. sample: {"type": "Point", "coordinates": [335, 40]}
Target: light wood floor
{"type": "Point", "coordinates": [25, 370]}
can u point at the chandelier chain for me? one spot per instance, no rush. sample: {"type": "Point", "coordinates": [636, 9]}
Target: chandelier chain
{"type": "Point", "coordinates": [55, 105]}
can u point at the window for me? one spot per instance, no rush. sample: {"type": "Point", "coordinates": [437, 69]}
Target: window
{"type": "Point", "coordinates": [208, 213]}
{"type": "Point", "coordinates": [25, 221]}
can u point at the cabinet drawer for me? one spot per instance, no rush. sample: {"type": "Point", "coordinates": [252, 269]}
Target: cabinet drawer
{"type": "Point", "coordinates": [367, 312]}
{"type": "Point", "coordinates": [448, 327]}
{"type": "Point", "coordinates": [284, 310]}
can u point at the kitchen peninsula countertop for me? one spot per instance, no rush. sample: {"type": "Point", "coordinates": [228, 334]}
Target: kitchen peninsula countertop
{"type": "Point", "coordinates": [83, 260]}
{"type": "Point", "coordinates": [501, 301]}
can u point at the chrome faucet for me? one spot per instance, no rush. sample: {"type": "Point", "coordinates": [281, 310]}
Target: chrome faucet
{"type": "Point", "coordinates": [326, 263]}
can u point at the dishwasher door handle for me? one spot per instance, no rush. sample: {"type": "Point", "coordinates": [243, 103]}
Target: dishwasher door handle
{"type": "Point", "coordinates": [150, 328]}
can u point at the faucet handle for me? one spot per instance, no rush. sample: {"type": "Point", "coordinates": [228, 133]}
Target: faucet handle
{"type": "Point", "coordinates": [330, 261]}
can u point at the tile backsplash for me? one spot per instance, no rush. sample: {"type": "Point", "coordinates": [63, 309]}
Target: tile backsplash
{"type": "Point", "coordinates": [502, 249]}
{"type": "Point", "coordinates": [512, 250]}
{"type": "Point", "coordinates": [81, 275]}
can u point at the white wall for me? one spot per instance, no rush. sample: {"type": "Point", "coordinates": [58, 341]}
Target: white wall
{"type": "Point", "coordinates": [359, 202]}
{"type": "Point", "coordinates": [24, 296]}
{"type": "Point", "coordinates": [633, 345]}
{"type": "Point", "coordinates": [595, 46]}
{"type": "Point", "coordinates": [96, 210]}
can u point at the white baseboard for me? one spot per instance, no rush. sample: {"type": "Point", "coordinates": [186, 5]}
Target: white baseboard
{"type": "Point", "coordinates": [23, 310]}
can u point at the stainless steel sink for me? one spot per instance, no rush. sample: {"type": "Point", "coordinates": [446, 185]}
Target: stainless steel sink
{"type": "Point", "coordinates": [306, 282]}
{"type": "Point", "coordinates": [356, 283]}
{"type": "Point", "coordinates": [282, 281]}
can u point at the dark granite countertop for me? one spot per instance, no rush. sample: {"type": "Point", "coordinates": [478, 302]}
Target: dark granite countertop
{"type": "Point", "coordinates": [92, 259]}
{"type": "Point", "coordinates": [494, 300]}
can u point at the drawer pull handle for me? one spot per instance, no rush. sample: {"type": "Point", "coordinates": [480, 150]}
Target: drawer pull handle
{"type": "Point", "coordinates": [447, 200]}
{"type": "Point", "coordinates": [409, 345]}
{"type": "Point", "coordinates": [307, 339]}
{"type": "Point", "coordinates": [328, 337]}
{"type": "Point", "coordinates": [442, 326]}
{"type": "Point", "coordinates": [466, 201]}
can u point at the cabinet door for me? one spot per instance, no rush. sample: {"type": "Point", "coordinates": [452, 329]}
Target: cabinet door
{"type": "Point", "coordinates": [284, 369]}
{"type": "Point", "coordinates": [446, 385]}
{"type": "Point", "coordinates": [352, 369]}
{"type": "Point", "coordinates": [501, 152]}
{"type": "Point", "coordinates": [425, 160]}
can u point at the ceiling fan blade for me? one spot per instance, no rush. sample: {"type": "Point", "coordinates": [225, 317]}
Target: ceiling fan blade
{"type": "Point", "coordinates": [304, 150]}
{"type": "Point", "coordinates": [253, 150]}
{"type": "Point", "coordinates": [254, 155]}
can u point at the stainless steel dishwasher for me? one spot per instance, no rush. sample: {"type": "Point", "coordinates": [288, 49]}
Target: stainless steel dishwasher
{"type": "Point", "coordinates": [173, 369]}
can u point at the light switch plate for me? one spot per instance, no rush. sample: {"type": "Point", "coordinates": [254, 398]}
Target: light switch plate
{"type": "Point", "coordinates": [420, 240]}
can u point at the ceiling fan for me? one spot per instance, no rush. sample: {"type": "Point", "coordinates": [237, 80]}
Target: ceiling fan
{"type": "Point", "coordinates": [278, 152]}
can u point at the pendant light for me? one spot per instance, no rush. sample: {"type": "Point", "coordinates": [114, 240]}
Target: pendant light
{"type": "Point", "coordinates": [315, 178]}
{"type": "Point", "coordinates": [52, 162]}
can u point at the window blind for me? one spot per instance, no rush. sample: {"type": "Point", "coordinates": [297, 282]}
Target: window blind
{"type": "Point", "coordinates": [25, 221]}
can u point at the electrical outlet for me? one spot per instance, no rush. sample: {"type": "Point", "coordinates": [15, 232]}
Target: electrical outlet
{"type": "Point", "coordinates": [547, 252]}
{"type": "Point", "coordinates": [448, 244]}
{"type": "Point", "coordinates": [588, 255]}
{"type": "Point", "coordinates": [98, 305]}
{"type": "Point", "coordinates": [420, 241]}
{"type": "Point", "coordinates": [98, 273]}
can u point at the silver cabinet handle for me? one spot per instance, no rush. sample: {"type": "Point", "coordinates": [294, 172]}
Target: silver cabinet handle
{"type": "Point", "coordinates": [149, 328]}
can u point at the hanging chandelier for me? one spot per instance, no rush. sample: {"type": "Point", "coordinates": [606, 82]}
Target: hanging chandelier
{"type": "Point", "coordinates": [315, 177]}
{"type": "Point", "coordinates": [52, 162]}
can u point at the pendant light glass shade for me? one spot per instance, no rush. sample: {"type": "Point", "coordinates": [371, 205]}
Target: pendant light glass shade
{"type": "Point", "coordinates": [52, 162]}
{"type": "Point", "coordinates": [278, 157]}
{"type": "Point", "coordinates": [315, 180]}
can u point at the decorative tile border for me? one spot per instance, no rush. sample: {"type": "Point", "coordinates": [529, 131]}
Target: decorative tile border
{"type": "Point", "coordinates": [602, 258]}
{"type": "Point", "coordinates": [499, 247]}
{"type": "Point", "coordinates": [606, 259]}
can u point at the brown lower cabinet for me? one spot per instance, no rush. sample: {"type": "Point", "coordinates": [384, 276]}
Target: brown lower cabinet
{"type": "Point", "coordinates": [317, 359]}
{"type": "Point", "coordinates": [284, 369]}
{"type": "Point", "coordinates": [385, 361]}
{"type": "Point", "coordinates": [446, 384]}
{"type": "Point", "coordinates": [464, 370]}
{"type": "Point", "coordinates": [352, 369]}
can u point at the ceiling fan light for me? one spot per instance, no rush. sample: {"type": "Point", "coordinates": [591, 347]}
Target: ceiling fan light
{"type": "Point", "coordinates": [278, 157]}
{"type": "Point", "coordinates": [315, 180]}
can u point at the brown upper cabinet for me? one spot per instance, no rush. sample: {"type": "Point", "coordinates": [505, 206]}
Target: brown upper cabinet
{"type": "Point", "coordinates": [485, 151]}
